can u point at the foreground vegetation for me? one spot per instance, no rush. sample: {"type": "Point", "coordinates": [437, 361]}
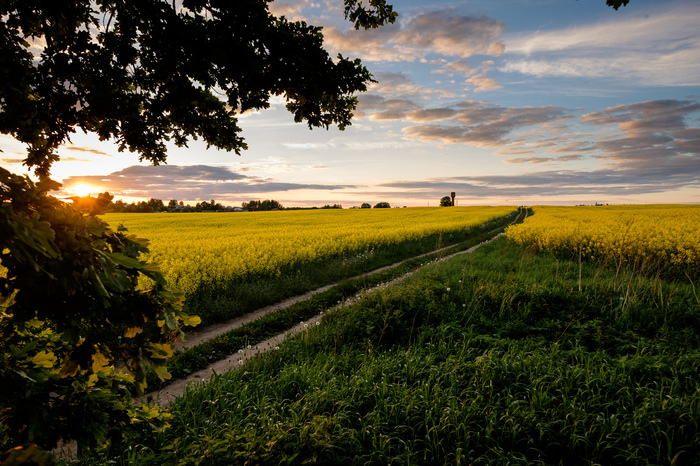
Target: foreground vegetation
{"type": "Point", "coordinates": [500, 356]}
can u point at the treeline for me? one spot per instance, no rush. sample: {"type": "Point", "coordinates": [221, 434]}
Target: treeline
{"type": "Point", "coordinates": [105, 201]}
{"type": "Point", "coordinates": [157, 205]}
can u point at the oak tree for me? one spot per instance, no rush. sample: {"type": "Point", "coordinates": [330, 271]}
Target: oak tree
{"type": "Point", "coordinates": [76, 334]}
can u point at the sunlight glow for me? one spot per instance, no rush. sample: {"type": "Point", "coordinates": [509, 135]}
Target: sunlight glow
{"type": "Point", "coordinates": [83, 189]}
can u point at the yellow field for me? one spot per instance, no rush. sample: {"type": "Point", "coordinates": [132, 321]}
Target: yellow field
{"type": "Point", "coordinates": [191, 247]}
{"type": "Point", "coordinates": [660, 234]}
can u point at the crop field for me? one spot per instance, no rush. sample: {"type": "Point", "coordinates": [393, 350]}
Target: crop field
{"type": "Point", "coordinates": [231, 263]}
{"type": "Point", "coordinates": [645, 236]}
{"type": "Point", "coordinates": [196, 247]}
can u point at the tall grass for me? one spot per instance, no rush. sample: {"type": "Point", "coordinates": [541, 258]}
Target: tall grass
{"type": "Point", "coordinates": [490, 358]}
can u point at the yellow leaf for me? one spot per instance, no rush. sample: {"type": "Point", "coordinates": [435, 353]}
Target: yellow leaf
{"type": "Point", "coordinates": [192, 321]}
{"type": "Point", "coordinates": [131, 332]}
{"type": "Point", "coordinates": [161, 351]}
{"type": "Point", "coordinates": [92, 380]}
{"type": "Point", "coordinates": [44, 359]}
{"type": "Point", "coordinates": [99, 361]}
{"type": "Point", "coordinates": [161, 371]}
{"type": "Point", "coordinates": [69, 368]}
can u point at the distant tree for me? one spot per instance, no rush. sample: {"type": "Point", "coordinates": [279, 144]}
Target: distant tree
{"type": "Point", "coordinates": [382, 205]}
{"type": "Point", "coordinates": [172, 204]}
{"type": "Point", "coordinates": [270, 204]}
{"type": "Point", "coordinates": [155, 205]}
{"type": "Point", "coordinates": [365, 205]}
{"type": "Point", "coordinates": [445, 201]}
{"type": "Point", "coordinates": [265, 205]}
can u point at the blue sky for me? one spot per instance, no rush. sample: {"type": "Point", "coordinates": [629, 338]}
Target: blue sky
{"type": "Point", "coordinates": [503, 102]}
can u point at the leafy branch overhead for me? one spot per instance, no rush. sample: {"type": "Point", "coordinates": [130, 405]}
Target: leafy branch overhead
{"type": "Point", "coordinates": [617, 3]}
{"type": "Point", "coordinates": [145, 72]}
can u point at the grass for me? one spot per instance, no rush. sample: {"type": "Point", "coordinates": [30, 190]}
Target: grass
{"type": "Point", "coordinates": [496, 357]}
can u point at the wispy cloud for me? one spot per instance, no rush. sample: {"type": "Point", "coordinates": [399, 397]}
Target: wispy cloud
{"type": "Point", "coordinates": [188, 182]}
{"type": "Point", "coordinates": [660, 48]}
{"type": "Point", "coordinates": [440, 31]}
{"type": "Point", "coordinates": [486, 125]}
{"type": "Point", "coordinates": [554, 183]}
{"type": "Point", "coordinates": [12, 161]}
{"type": "Point", "coordinates": [88, 150]}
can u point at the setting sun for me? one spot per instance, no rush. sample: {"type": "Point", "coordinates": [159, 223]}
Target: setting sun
{"type": "Point", "coordinates": [82, 189]}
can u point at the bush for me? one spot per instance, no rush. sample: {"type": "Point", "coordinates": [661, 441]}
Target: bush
{"type": "Point", "coordinates": [76, 336]}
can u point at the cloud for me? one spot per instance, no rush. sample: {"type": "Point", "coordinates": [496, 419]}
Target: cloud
{"type": "Point", "coordinates": [531, 160]}
{"type": "Point", "coordinates": [290, 8]}
{"type": "Point", "coordinates": [308, 145]}
{"type": "Point", "coordinates": [660, 48]}
{"type": "Point", "coordinates": [88, 150]}
{"type": "Point", "coordinates": [555, 183]}
{"type": "Point", "coordinates": [439, 31]}
{"type": "Point", "coordinates": [11, 161]}
{"type": "Point", "coordinates": [486, 125]}
{"type": "Point", "coordinates": [654, 133]}
{"type": "Point", "coordinates": [378, 108]}
{"type": "Point", "coordinates": [392, 84]}
{"type": "Point", "coordinates": [450, 34]}
{"type": "Point", "coordinates": [74, 159]}
{"type": "Point", "coordinates": [431, 114]}
{"type": "Point", "coordinates": [459, 67]}
{"type": "Point", "coordinates": [187, 182]}
{"type": "Point", "coordinates": [481, 83]}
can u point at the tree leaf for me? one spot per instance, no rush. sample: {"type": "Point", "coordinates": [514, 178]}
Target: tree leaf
{"type": "Point", "coordinates": [44, 359]}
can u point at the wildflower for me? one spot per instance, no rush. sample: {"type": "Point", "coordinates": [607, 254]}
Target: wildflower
{"type": "Point", "coordinates": [277, 348]}
{"type": "Point", "coordinates": [448, 289]}
{"type": "Point", "coordinates": [464, 305]}
{"type": "Point", "coordinates": [318, 323]}
{"type": "Point", "coordinates": [240, 351]}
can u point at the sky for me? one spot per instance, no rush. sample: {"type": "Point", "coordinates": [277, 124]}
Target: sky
{"type": "Point", "coordinates": [508, 102]}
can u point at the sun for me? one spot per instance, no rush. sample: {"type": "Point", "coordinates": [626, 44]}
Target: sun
{"type": "Point", "coordinates": [83, 189]}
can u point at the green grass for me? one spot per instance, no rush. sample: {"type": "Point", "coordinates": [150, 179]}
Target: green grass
{"type": "Point", "coordinates": [496, 357]}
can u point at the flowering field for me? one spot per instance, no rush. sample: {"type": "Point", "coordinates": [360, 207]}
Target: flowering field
{"type": "Point", "coordinates": [217, 247]}
{"type": "Point", "coordinates": [651, 234]}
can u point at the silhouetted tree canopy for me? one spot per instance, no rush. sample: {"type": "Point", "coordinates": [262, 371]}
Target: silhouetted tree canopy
{"type": "Point", "coordinates": [144, 72]}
